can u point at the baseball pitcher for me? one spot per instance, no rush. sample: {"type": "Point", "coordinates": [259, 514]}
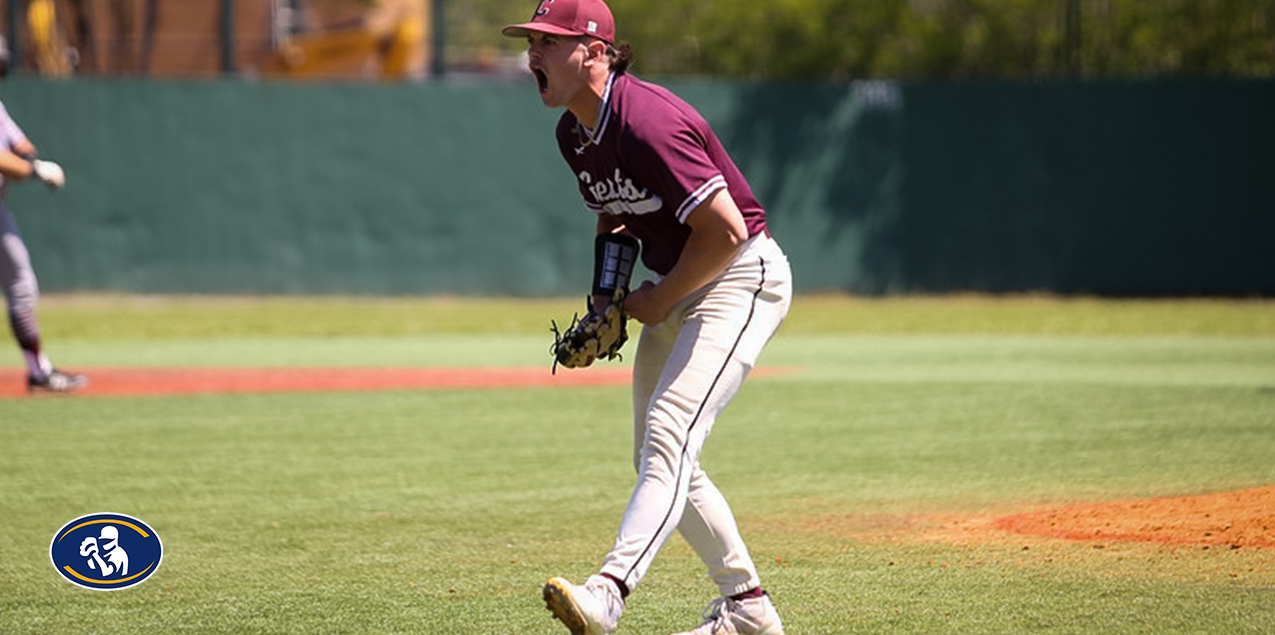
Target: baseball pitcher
{"type": "Point", "coordinates": [650, 168]}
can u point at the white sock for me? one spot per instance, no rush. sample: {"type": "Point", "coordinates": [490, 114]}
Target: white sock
{"type": "Point", "coordinates": [38, 364]}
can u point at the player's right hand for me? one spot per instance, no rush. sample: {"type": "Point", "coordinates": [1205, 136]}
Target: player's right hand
{"type": "Point", "coordinates": [643, 306]}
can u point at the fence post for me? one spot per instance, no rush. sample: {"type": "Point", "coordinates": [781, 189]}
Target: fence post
{"type": "Point", "coordinates": [15, 46]}
{"type": "Point", "coordinates": [438, 65]}
{"type": "Point", "coordinates": [227, 36]}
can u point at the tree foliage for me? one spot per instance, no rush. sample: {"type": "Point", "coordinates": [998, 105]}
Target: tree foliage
{"type": "Point", "coordinates": [933, 39]}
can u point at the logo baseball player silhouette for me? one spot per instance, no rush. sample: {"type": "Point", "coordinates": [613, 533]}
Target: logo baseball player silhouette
{"type": "Point", "coordinates": [106, 551]}
{"type": "Point", "coordinates": [652, 170]}
{"type": "Point", "coordinates": [116, 562]}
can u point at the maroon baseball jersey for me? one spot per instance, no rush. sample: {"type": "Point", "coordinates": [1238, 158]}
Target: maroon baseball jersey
{"type": "Point", "coordinates": [651, 160]}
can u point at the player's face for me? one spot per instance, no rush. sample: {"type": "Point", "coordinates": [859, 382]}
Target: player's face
{"type": "Point", "coordinates": [558, 64]}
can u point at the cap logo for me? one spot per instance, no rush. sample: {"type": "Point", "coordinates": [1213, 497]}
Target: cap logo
{"type": "Point", "coordinates": [543, 9]}
{"type": "Point", "coordinates": [593, 26]}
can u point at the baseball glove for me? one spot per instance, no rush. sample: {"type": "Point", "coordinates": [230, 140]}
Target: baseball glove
{"type": "Point", "coordinates": [598, 335]}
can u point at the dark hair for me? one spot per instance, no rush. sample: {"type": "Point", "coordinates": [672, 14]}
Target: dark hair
{"type": "Point", "coordinates": [621, 57]}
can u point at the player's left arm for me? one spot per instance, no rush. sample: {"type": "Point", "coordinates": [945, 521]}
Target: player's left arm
{"type": "Point", "coordinates": [14, 165]}
{"type": "Point", "coordinates": [20, 162]}
{"type": "Point", "coordinates": [717, 232]}
{"type": "Point", "coordinates": [23, 147]}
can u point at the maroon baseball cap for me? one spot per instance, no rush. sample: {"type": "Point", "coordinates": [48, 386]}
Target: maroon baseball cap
{"type": "Point", "coordinates": [568, 17]}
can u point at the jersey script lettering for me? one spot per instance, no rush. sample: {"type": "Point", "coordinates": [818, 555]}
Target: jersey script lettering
{"type": "Point", "coordinates": [619, 195]}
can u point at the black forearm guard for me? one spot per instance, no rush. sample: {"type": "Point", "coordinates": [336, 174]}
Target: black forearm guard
{"type": "Point", "coordinates": [614, 257]}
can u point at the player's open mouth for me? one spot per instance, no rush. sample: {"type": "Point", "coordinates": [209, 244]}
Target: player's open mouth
{"type": "Point", "coordinates": [542, 80]}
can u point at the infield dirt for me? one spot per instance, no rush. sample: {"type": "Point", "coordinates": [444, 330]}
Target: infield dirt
{"type": "Point", "coordinates": [1232, 520]}
{"type": "Point", "coordinates": [131, 382]}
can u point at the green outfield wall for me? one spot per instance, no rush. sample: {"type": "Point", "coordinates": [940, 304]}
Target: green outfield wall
{"type": "Point", "coordinates": [1132, 188]}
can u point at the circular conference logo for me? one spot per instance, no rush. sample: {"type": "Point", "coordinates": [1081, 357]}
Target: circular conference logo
{"type": "Point", "coordinates": [106, 551]}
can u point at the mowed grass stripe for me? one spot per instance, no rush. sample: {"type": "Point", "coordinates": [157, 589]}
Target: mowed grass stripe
{"type": "Point", "coordinates": [123, 317]}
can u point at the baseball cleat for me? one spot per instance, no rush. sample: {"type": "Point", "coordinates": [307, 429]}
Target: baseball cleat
{"type": "Point", "coordinates": [56, 381]}
{"type": "Point", "coordinates": [753, 616]}
{"type": "Point", "coordinates": [590, 609]}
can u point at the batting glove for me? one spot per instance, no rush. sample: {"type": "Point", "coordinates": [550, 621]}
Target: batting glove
{"type": "Point", "coordinates": [49, 172]}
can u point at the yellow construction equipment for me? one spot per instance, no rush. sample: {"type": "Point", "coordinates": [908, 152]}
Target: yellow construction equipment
{"type": "Point", "coordinates": [388, 45]}
{"type": "Point", "coordinates": [46, 38]}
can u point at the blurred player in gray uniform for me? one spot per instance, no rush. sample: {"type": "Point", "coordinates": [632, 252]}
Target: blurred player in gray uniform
{"type": "Point", "coordinates": [18, 162]}
{"type": "Point", "coordinates": [648, 165]}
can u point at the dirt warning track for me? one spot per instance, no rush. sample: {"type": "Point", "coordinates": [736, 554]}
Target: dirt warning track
{"type": "Point", "coordinates": [187, 381]}
{"type": "Point", "coordinates": [125, 382]}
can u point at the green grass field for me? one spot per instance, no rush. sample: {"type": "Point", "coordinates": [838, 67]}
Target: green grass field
{"type": "Point", "coordinates": [443, 511]}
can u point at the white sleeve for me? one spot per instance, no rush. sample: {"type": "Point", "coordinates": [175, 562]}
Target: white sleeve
{"type": "Point", "coordinates": [9, 129]}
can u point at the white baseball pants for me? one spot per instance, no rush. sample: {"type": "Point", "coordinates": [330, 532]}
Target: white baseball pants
{"type": "Point", "coordinates": [16, 275]}
{"type": "Point", "coordinates": [686, 370]}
